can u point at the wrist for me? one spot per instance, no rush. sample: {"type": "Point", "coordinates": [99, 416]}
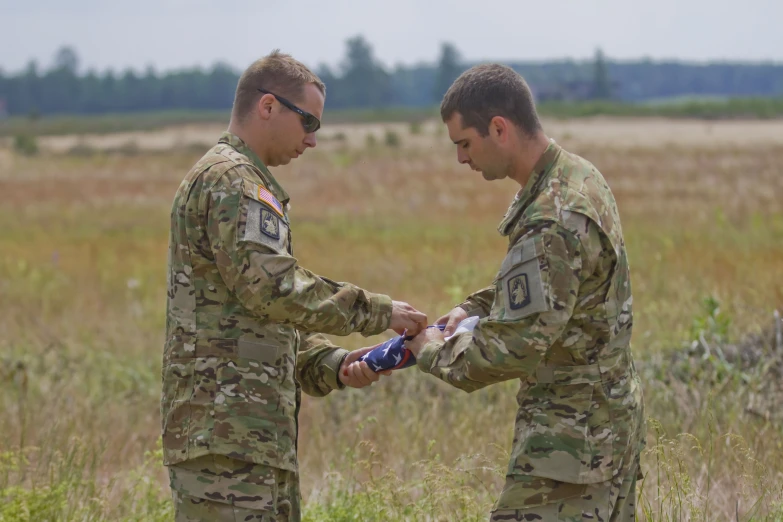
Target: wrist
{"type": "Point", "coordinates": [428, 354]}
{"type": "Point", "coordinates": [380, 314]}
{"type": "Point", "coordinates": [332, 364]}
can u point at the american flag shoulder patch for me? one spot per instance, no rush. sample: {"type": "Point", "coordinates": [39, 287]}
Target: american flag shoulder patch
{"type": "Point", "coordinates": [261, 194]}
{"type": "Point", "coordinates": [267, 197]}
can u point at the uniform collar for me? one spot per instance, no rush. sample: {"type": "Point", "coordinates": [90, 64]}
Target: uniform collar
{"type": "Point", "coordinates": [240, 146]}
{"type": "Point", "coordinates": [533, 186]}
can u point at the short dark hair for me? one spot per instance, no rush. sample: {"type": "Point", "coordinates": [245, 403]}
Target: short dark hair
{"type": "Point", "coordinates": [277, 72]}
{"type": "Point", "coordinates": [488, 90]}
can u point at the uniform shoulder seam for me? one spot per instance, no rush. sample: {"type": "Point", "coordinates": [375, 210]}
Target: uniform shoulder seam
{"type": "Point", "coordinates": [226, 166]}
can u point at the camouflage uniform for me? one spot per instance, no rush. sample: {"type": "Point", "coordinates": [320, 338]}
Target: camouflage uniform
{"type": "Point", "coordinates": [235, 363]}
{"type": "Point", "coordinates": [558, 317]}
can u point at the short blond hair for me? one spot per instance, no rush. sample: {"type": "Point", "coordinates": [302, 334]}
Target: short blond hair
{"type": "Point", "coordinates": [277, 72]}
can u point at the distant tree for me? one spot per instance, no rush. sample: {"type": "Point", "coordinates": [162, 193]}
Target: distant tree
{"type": "Point", "coordinates": [61, 87]}
{"type": "Point", "coordinates": [25, 93]}
{"type": "Point", "coordinates": [220, 83]}
{"type": "Point", "coordinates": [325, 73]}
{"type": "Point", "coordinates": [331, 81]}
{"type": "Point", "coordinates": [364, 82]}
{"type": "Point", "coordinates": [66, 59]}
{"type": "Point", "coordinates": [31, 71]}
{"type": "Point", "coordinates": [602, 84]}
{"type": "Point", "coordinates": [361, 81]}
{"type": "Point", "coordinates": [448, 68]}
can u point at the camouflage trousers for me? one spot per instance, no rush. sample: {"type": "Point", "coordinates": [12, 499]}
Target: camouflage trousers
{"type": "Point", "coordinates": [526, 498]}
{"type": "Point", "coordinates": [218, 488]}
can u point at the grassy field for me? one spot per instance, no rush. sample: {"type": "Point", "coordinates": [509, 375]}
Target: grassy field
{"type": "Point", "coordinates": [82, 279]}
{"type": "Point", "coordinates": [688, 108]}
{"type": "Point", "coordinates": [64, 124]}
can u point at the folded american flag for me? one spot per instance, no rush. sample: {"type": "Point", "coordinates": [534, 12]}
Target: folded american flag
{"type": "Point", "coordinates": [392, 355]}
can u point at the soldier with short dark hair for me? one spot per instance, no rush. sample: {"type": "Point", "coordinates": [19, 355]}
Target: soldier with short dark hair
{"type": "Point", "coordinates": [558, 315]}
{"type": "Point", "coordinates": [244, 319]}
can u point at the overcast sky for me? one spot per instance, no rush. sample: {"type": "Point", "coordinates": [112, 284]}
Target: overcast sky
{"type": "Point", "coordinates": [171, 34]}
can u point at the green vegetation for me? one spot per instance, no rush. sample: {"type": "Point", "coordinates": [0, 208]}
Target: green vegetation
{"type": "Point", "coordinates": [361, 81]}
{"type": "Point", "coordinates": [25, 144]}
{"type": "Point", "coordinates": [709, 109]}
{"type": "Point", "coordinates": [82, 319]}
{"type": "Point", "coordinates": [106, 123]}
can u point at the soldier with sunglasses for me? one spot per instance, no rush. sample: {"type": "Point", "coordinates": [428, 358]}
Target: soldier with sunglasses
{"type": "Point", "coordinates": [244, 319]}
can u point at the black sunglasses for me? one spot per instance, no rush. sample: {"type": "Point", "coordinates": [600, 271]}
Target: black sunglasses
{"type": "Point", "coordinates": [309, 122]}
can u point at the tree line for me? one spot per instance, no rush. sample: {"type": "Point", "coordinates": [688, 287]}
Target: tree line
{"type": "Point", "coordinates": [361, 81]}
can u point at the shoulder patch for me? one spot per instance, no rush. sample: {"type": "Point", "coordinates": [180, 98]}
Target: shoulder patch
{"type": "Point", "coordinates": [267, 197]}
{"type": "Point", "coordinates": [265, 227]}
{"type": "Point", "coordinates": [521, 289]}
{"type": "Point", "coordinates": [270, 224]}
{"type": "Point", "coordinates": [262, 195]}
{"type": "Point", "coordinates": [518, 291]}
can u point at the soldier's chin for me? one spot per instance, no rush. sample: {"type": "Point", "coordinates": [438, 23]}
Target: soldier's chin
{"type": "Point", "coordinates": [282, 160]}
{"type": "Point", "coordinates": [491, 176]}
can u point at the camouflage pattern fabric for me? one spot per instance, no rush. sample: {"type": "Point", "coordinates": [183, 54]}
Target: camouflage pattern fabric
{"type": "Point", "coordinates": [244, 319]}
{"type": "Point", "coordinates": [218, 488]}
{"type": "Point", "coordinates": [526, 498]}
{"type": "Point", "coordinates": [558, 317]}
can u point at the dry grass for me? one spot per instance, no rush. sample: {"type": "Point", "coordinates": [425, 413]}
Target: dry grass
{"type": "Point", "coordinates": [82, 274]}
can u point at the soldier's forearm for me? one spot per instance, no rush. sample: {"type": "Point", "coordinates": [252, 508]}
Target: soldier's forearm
{"type": "Point", "coordinates": [275, 288]}
{"type": "Point", "coordinates": [479, 303]}
{"type": "Point", "coordinates": [469, 362]}
{"type": "Point", "coordinates": [318, 365]}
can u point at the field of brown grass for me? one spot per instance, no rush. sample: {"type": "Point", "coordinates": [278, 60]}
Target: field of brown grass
{"type": "Point", "coordinates": [82, 279]}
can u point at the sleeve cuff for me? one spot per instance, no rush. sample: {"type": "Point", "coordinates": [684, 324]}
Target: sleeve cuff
{"type": "Point", "coordinates": [427, 355]}
{"type": "Point", "coordinates": [330, 368]}
{"type": "Point", "coordinates": [472, 310]}
{"type": "Point", "coordinates": [380, 314]}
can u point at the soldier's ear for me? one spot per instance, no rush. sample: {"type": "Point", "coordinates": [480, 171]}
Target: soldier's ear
{"type": "Point", "coordinates": [498, 128]}
{"type": "Point", "coordinates": [264, 106]}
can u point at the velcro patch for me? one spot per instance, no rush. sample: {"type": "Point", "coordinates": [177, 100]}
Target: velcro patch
{"type": "Point", "coordinates": [267, 197]}
{"type": "Point", "coordinates": [519, 292]}
{"type": "Point", "coordinates": [270, 224]}
{"type": "Point", "coordinates": [522, 286]}
{"type": "Point", "coordinates": [264, 227]}
{"type": "Point", "coordinates": [261, 194]}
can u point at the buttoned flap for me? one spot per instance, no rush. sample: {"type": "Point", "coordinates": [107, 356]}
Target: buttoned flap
{"type": "Point", "coordinates": [523, 492]}
{"type": "Point", "coordinates": [256, 490]}
{"type": "Point", "coordinates": [264, 220]}
{"type": "Point", "coordinates": [178, 380]}
{"type": "Point", "coordinates": [565, 433]}
{"type": "Point", "coordinates": [260, 351]}
{"type": "Point", "coordinates": [520, 282]}
{"type": "Point", "coordinates": [266, 362]}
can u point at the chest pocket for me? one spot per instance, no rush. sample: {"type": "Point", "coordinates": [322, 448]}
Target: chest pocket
{"type": "Point", "coordinates": [265, 222]}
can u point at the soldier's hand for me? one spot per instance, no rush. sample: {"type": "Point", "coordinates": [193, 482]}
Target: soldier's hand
{"type": "Point", "coordinates": [452, 319]}
{"type": "Point", "coordinates": [417, 343]}
{"type": "Point", "coordinates": [405, 318]}
{"type": "Point", "coordinates": [356, 373]}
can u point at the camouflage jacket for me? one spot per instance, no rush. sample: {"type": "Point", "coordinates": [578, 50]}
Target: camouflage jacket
{"type": "Point", "coordinates": [234, 361]}
{"type": "Point", "coordinates": [558, 317]}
